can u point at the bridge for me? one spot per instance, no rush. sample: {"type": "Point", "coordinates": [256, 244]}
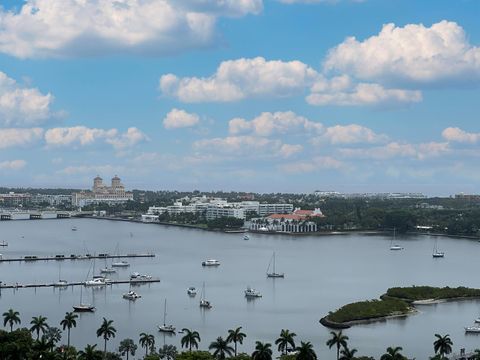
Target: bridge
{"type": "Point", "coordinates": [39, 215]}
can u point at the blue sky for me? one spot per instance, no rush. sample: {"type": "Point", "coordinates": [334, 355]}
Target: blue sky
{"type": "Point", "coordinates": [271, 95]}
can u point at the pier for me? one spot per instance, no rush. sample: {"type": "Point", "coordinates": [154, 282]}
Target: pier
{"type": "Point", "coordinates": [60, 257]}
{"type": "Point", "coordinates": [79, 283]}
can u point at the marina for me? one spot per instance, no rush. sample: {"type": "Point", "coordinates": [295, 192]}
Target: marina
{"type": "Point", "coordinates": [311, 266]}
{"type": "Point", "coordinates": [59, 257]}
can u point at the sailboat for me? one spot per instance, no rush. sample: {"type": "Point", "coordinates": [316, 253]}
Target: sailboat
{"type": "Point", "coordinates": [61, 283]}
{"type": "Point", "coordinates": [107, 270]}
{"type": "Point", "coordinates": [436, 253]}
{"type": "Point", "coordinates": [3, 243]}
{"type": "Point", "coordinates": [83, 307]}
{"type": "Point", "coordinates": [273, 274]}
{"type": "Point", "coordinates": [394, 246]}
{"type": "Point", "coordinates": [122, 263]}
{"type": "Point", "coordinates": [166, 328]}
{"type": "Point", "coordinates": [203, 302]}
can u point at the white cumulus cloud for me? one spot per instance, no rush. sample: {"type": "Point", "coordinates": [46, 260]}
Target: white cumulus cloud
{"type": "Point", "coordinates": [12, 165]}
{"type": "Point", "coordinates": [81, 136]}
{"type": "Point", "coordinates": [242, 78]}
{"type": "Point", "coordinates": [268, 123]}
{"type": "Point", "coordinates": [22, 106]}
{"type": "Point", "coordinates": [413, 54]}
{"type": "Point", "coordinates": [350, 134]}
{"type": "Point", "coordinates": [66, 28]}
{"type": "Point", "coordinates": [177, 118]}
{"type": "Point", "coordinates": [19, 137]}
{"type": "Point", "coordinates": [455, 134]}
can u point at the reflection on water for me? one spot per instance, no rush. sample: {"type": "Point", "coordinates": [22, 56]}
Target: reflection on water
{"type": "Point", "coordinates": [321, 274]}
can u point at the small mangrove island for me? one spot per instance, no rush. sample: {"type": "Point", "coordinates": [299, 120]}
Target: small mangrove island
{"type": "Point", "coordinates": [396, 302]}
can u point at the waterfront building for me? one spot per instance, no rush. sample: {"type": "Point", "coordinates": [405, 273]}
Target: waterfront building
{"type": "Point", "coordinates": [213, 208]}
{"type": "Point", "coordinates": [300, 221]}
{"type": "Point", "coordinates": [51, 200]}
{"type": "Point", "coordinates": [101, 193]}
{"type": "Point", "coordinates": [14, 199]}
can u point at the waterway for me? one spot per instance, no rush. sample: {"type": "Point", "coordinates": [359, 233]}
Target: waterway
{"type": "Point", "coordinates": [321, 274]}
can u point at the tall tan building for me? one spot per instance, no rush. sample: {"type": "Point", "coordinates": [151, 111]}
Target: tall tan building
{"type": "Point", "coordinates": [101, 193]}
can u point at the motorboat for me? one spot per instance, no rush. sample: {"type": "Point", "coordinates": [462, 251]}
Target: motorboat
{"type": "Point", "coordinates": [74, 228]}
{"type": "Point", "coordinates": [134, 275]}
{"type": "Point", "coordinates": [166, 328]}
{"type": "Point", "coordinates": [96, 281]}
{"type": "Point", "coordinates": [252, 293]}
{"type": "Point", "coordinates": [473, 329]}
{"type": "Point", "coordinates": [273, 273]}
{"type": "Point", "coordinates": [139, 277]}
{"type": "Point", "coordinates": [61, 283]}
{"type": "Point", "coordinates": [211, 262]}
{"type": "Point", "coordinates": [477, 320]}
{"type": "Point", "coordinates": [246, 237]}
{"type": "Point", "coordinates": [107, 270]}
{"type": "Point", "coordinates": [396, 247]}
{"type": "Point", "coordinates": [192, 291]}
{"type": "Point", "coordinates": [131, 295]}
{"type": "Point", "coordinates": [122, 264]}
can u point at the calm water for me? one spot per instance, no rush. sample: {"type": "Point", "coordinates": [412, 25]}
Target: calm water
{"type": "Point", "coordinates": [322, 273]}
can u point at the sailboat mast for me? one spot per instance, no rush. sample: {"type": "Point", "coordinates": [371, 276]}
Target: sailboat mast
{"type": "Point", "coordinates": [274, 262]}
{"type": "Point", "coordinates": [165, 312]}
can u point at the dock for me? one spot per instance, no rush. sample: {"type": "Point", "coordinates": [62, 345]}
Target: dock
{"type": "Point", "coordinates": [78, 283]}
{"type": "Point", "coordinates": [60, 257]}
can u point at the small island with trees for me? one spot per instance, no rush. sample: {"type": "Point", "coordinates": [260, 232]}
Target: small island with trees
{"type": "Point", "coordinates": [396, 302]}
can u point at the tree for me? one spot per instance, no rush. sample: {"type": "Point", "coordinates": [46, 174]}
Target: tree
{"type": "Point", "coordinates": [168, 352]}
{"type": "Point", "coordinates": [221, 348]}
{"type": "Point", "coordinates": [476, 354]}
{"type": "Point", "coordinates": [190, 339]}
{"type": "Point", "coordinates": [236, 336]}
{"type": "Point", "coordinates": [262, 351]}
{"type": "Point", "coordinates": [53, 335]}
{"type": "Point", "coordinates": [347, 354]}
{"type": "Point", "coordinates": [305, 351]}
{"type": "Point", "coordinates": [147, 341]}
{"type": "Point", "coordinates": [443, 345]}
{"type": "Point", "coordinates": [393, 354]}
{"type": "Point", "coordinates": [338, 340]}
{"type": "Point", "coordinates": [127, 346]}
{"type": "Point", "coordinates": [11, 317]}
{"type": "Point", "coordinates": [90, 353]}
{"type": "Point", "coordinates": [107, 331]}
{"type": "Point", "coordinates": [39, 323]}
{"type": "Point", "coordinates": [68, 322]}
{"type": "Point", "coordinates": [285, 339]}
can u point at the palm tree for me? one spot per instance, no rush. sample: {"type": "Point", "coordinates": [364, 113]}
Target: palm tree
{"type": "Point", "coordinates": [68, 322]}
{"type": "Point", "coordinates": [127, 346]}
{"type": "Point", "coordinates": [168, 352]}
{"type": "Point", "coordinates": [443, 345]}
{"type": "Point", "coordinates": [393, 354]}
{"type": "Point", "coordinates": [339, 340]}
{"type": "Point", "coordinates": [285, 339]}
{"type": "Point", "coordinates": [262, 351]}
{"type": "Point", "coordinates": [305, 351]}
{"type": "Point", "coordinates": [190, 339]}
{"type": "Point", "coordinates": [221, 348]}
{"type": "Point", "coordinates": [347, 354]}
{"type": "Point", "coordinates": [39, 323]}
{"type": "Point", "coordinates": [90, 353]}
{"type": "Point", "coordinates": [107, 331]}
{"type": "Point", "coordinates": [236, 336]}
{"type": "Point", "coordinates": [53, 335]}
{"type": "Point", "coordinates": [147, 341]}
{"type": "Point", "coordinates": [11, 317]}
{"type": "Point", "coordinates": [476, 354]}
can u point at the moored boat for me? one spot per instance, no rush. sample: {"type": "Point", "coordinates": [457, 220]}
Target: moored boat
{"type": "Point", "coordinates": [211, 262]}
{"type": "Point", "coordinates": [252, 293]}
{"type": "Point", "coordinates": [166, 328]}
{"type": "Point", "coordinates": [122, 263]}
{"type": "Point", "coordinates": [472, 329]}
{"type": "Point", "coordinates": [192, 291]}
{"type": "Point", "coordinates": [131, 295]}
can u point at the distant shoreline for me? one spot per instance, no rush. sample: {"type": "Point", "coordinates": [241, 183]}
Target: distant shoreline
{"type": "Point", "coordinates": [318, 233]}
